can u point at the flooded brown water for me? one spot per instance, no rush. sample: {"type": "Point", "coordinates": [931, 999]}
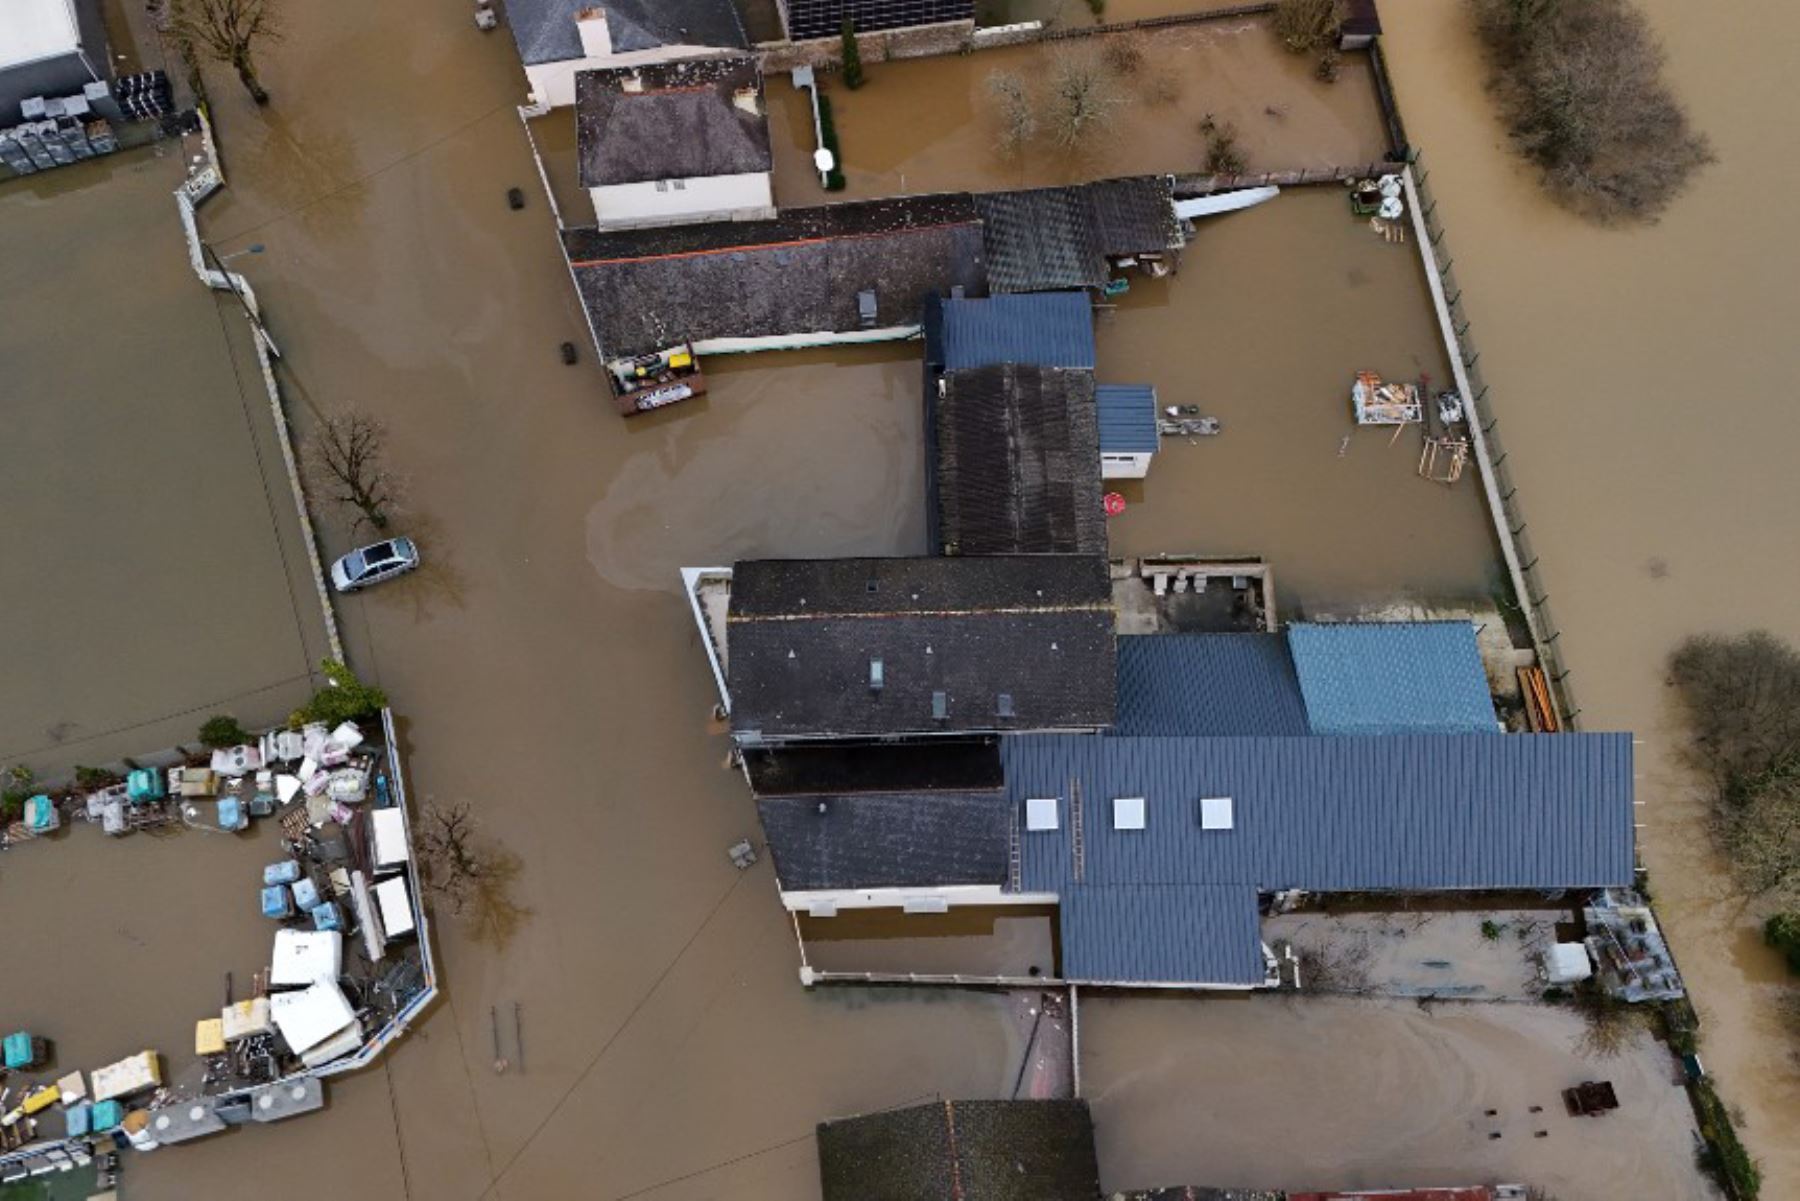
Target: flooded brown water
{"type": "Point", "coordinates": [928, 125]}
{"type": "Point", "coordinates": [1641, 378]}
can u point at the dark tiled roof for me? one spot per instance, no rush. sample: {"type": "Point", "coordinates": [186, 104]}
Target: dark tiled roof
{"type": "Point", "coordinates": [1415, 813]}
{"type": "Point", "coordinates": [945, 765]}
{"type": "Point", "coordinates": [1045, 329]}
{"type": "Point", "coordinates": [1033, 632]}
{"type": "Point", "coordinates": [545, 29]}
{"type": "Point", "coordinates": [1051, 238]}
{"type": "Point", "coordinates": [1392, 677]}
{"type": "Point", "coordinates": [1127, 419]}
{"type": "Point", "coordinates": [798, 273]}
{"type": "Point", "coordinates": [887, 840]}
{"type": "Point", "coordinates": [978, 1150]}
{"type": "Point", "coordinates": [824, 18]}
{"type": "Point", "coordinates": [679, 120]}
{"type": "Point", "coordinates": [1018, 462]}
{"type": "Point", "coordinates": [1209, 686]}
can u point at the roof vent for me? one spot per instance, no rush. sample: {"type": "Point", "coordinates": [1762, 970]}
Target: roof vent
{"type": "Point", "coordinates": [940, 705]}
{"type": "Point", "coordinates": [1040, 813]}
{"type": "Point", "coordinates": [1128, 813]}
{"type": "Point", "coordinates": [956, 291]}
{"type": "Point", "coordinates": [1003, 704]}
{"type": "Point", "coordinates": [877, 676]}
{"type": "Point", "coordinates": [865, 308]}
{"type": "Point", "coordinates": [1215, 813]}
{"type": "Point", "coordinates": [632, 84]}
{"type": "Point", "coordinates": [747, 100]}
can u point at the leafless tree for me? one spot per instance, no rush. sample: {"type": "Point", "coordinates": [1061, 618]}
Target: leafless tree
{"type": "Point", "coordinates": [1579, 84]}
{"type": "Point", "coordinates": [1018, 112]}
{"type": "Point", "coordinates": [347, 462]}
{"type": "Point", "coordinates": [1082, 99]}
{"type": "Point", "coordinates": [471, 873]}
{"type": "Point", "coordinates": [1306, 26]}
{"type": "Point", "coordinates": [1608, 1024]}
{"type": "Point", "coordinates": [1333, 968]}
{"type": "Point", "coordinates": [226, 31]}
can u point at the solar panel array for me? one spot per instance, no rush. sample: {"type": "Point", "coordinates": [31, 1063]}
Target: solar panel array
{"type": "Point", "coordinates": [825, 18]}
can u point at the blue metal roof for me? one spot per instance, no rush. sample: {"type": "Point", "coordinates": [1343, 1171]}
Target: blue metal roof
{"type": "Point", "coordinates": [1208, 685]}
{"type": "Point", "coordinates": [1041, 329]}
{"type": "Point", "coordinates": [1329, 814]}
{"type": "Point", "coordinates": [1402, 677]}
{"type": "Point", "coordinates": [1127, 419]}
{"type": "Point", "coordinates": [1162, 934]}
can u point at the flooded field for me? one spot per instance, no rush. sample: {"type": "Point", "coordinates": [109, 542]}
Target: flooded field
{"type": "Point", "coordinates": [149, 549]}
{"type": "Point", "coordinates": [1273, 312]}
{"type": "Point", "coordinates": [1317, 1092]}
{"type": "Point", "coordinates": [930, 125]}
{"type": "Point", "coordinates": [1613, 357]}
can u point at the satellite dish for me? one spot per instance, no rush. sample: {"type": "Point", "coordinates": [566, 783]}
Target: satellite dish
{"type": "Point", "coordinates": [823, 160]}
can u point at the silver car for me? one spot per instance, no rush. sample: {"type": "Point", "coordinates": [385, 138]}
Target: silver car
{"type": "Point", "coordinates": [373, 564]}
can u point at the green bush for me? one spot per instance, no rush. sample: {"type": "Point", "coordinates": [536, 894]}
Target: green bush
{"type": "Point", "coordinates": [1723, 1156]}
{"type": "Point", "coordinates": [1783, 933]}
{"type": "Point", "coordinates": [223, 730]}
{"type": "Point", "coordinates": [834, 178]}
{"type": "Point", "coordinates": [853, 68]}
{"type": "Point", "coordinates": [93, 779]}
{"type": "Point", "coordinates": [344, 698]}
{"type": "Point", "coordinates": [18, 783]}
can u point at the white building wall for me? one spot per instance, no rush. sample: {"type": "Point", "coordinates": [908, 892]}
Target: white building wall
{"type": "Point", "coordinates": [822, 902]}
{"type": "Point", "coordinates": [553, 84]}
{"type": "Point", "coordinates": [1124, 467]}
{"type": "Point", "coordinates": [746, 197]}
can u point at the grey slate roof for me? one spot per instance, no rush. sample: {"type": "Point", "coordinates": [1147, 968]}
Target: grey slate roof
{"type": "Point", "coordinates": [824, 18]}
{"type": "Point", "coordinates": [1049, 238]}
{"type": "Point", "coordinates": [1208, 685]}
{"type": "Point", "coordinates": [679, 120]}
{"type": "Point", "coordinates": [887, 840]}
{"type": "Point", "coordinates": [1046, 329]}
{"type": "Point", "coordinates": [1331, 814]}
{"type": "Point", "coordinates": [1127, 419]}
{"type": "Point", "coordinates": [545, 29]}
{"type": "Point", "coordinates": [973, 1150]}
{"type": "Point", "coordinates": [1392, 677]}
{"type": "Point", "coordinates": [799, 273]}
{"type": "Point", "coordinates": [1031, 631]}
{"type": "Point", "coordinates": [1018, 462]}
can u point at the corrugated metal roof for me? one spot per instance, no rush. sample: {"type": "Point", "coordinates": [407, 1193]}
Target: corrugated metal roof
{"type": "Point", "coordinates": [1127, 419]}
{"type": "Point", "coordinates": [1043, 329]}
{"type": "Point", "coordinates": [1162, 934]}
{"type": "Point", "coordinates": [1331, 814]}
{"type": "Point", "coordinates": [1208, 685]}
{"type": "Point", "coordinates": [1398, 677]}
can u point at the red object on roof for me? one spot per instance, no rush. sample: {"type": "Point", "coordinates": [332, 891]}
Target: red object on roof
{"type": "Point", "coordinates": [1478, 1192]}
{"type": "Point", "coordinates": [1115, 504]}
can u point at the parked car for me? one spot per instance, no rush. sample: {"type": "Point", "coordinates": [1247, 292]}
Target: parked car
{"type": "Point", "coordinates": [373, 564]}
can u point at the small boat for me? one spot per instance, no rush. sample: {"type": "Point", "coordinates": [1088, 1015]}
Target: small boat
{"type": "Point", "coordinates": [653, 381]}
{"type": "Point", "coordinates": [1188, 427]}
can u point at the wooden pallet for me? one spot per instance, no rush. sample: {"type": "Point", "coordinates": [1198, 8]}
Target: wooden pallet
{"type": "Point", "coordinates": [1540, 710]}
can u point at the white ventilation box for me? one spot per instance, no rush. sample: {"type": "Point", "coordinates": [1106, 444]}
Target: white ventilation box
{"type": "Point", "coordinates": [1215, 813]}
{"type": "Point", "coordinates": [1040, 813]}
{"type": "Point", "coordinates": [1128, 813]}
{"type": "Point", "coordinates": [925, 905]}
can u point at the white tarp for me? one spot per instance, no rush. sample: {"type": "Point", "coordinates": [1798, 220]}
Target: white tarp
{"type": "Point", "coordinates": [241, 1019]}
{"type": "Point", "coordinates": [389, 826]}
{"type": "Point", "coordinates": [1567, 963]}
{"type": "Point", "coordinates": [396, 906]}
{"type": "Point", "coordinates": [310, 1016]}
{"type": "Point", "coordinates": [1224, 202]}
{"type": "Point", "coordinates": [131, 1075]}
{"type": "Point", "coordinates": [303, 956]}
{"type": "Point", "coordinates": [31, 30]}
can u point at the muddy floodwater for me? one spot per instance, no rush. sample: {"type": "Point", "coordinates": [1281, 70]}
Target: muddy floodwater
{"type": "Point", "coordinates": [1642, 381]}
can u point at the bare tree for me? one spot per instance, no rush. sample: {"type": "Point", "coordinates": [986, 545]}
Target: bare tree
{"type": "Point", "coordinates": [1018, 112]}
{"type": "Point", "coordinates": [1083, 98]}
{"type": "Point", "coordinates": [471, 873]}
{"type": "Point", "coordinates": [1609, 1025]}
{"type": "Point", "coordinates": [226, 31]}
{"type": "Point", "coordinates": [346, 458]}
{"type": "Point", "coordinates": [1305, 26]}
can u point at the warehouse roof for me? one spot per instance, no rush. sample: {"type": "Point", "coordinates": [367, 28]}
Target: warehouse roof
{"type": "Point", "coordinates": [1044, 329]}
{"type": "Point", "coordinates": [1400, 677]}
{"type": "Point", "coordinates": [980, 1150]}
{"type": "Point", "coordinates": [675, 120]}
{"type": "Point", "coordinates": [799, 273]}
{"type": "Point", "coordinates": [1208, 685]}
{"type": "Point", "coordinates": [1127, 419]}
{"type": "Point", "coordinates": [887, 840]}
{"type": "Point", "coordinates": [845, 648]}
{"type": "Point", "coordinates": [1018, 462]}
{"type": "Point", "coordinates": [1412, 813]}
{"type": "Point", "coordinates": [545, 30]}
{"type": "Point", "coordinates": [1048, 238]}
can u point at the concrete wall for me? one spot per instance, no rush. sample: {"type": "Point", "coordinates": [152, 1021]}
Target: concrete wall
{"type": "Point", "coordinates": [745, 197]}
{"type": "Point", "coordinates": [553, 84]}
{"type": "Point", "coordinates": [923, 41]}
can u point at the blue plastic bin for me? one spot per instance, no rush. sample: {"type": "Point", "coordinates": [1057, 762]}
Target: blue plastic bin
{"type": "Point", "coordinates": [106, 1115]}
{"type": "Point", "coordinates": [145, 784]}
{"type": "Point", "coordinates": [306, 894]}
{"type": "Point", "coordinates": [231, 814]}
{"type": "Point", "coordinates": [285, 872]}
{"type": "Point", "coordinates": [327, 916]}
{"type": "Point", "coordinates": [277, 902]}
{"type": "Point", "coordinates": [79, 1119]}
